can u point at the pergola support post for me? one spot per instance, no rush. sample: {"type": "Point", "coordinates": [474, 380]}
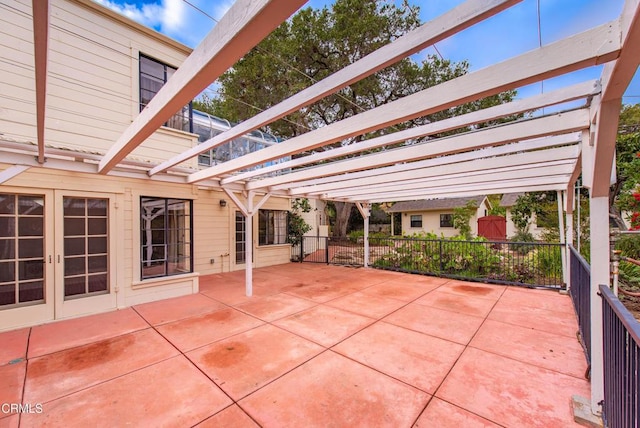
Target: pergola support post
{"type": "Point", "coordinates": [599, 216]}
{"type": "Point", "coordinates": [248, 210]}
{"type": "Point", "coordinates": [563, 242]}
{"type": "Point", "coordinates": [365, 210]}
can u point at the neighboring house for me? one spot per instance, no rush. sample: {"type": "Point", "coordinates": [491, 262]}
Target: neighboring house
{"type": "Point", "coordinates": [436, 215]}
{"type": "Point", "coordinates": [508, 201]}
{"type": "Point", "coordinates": [74, 243]}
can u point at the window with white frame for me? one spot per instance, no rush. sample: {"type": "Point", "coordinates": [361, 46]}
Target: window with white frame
{"type": "Point", "coordinates": [272, 227]}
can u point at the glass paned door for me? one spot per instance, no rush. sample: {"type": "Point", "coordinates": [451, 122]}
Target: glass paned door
{"type": "Point", "coordinates": [85, 257]}
{"type": "Point", "coordinates": [22, 252]}
{"type": "Point", "coordinates": [86, 227]}
{"type": "Point", "coordinates": [240, 237]}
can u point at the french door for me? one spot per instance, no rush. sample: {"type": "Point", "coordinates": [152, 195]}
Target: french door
{"type": "Point", "coordinates": [55, 255]}
{"type": "Point", "coordinates": [83, 253]}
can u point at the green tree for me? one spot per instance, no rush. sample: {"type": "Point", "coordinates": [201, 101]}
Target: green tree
{"type": "Point", "coordinates": [316, 43]}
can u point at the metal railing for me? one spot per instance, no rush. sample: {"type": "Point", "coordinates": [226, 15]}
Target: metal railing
{"type": "Point", "coordinates": [621, 347]}
{"type": "Point", "coordinates": [310, 249]}
{"type": "Point", "coordinates": [516, 263]}
{"type": "Point", "coordinates": [580, 291]}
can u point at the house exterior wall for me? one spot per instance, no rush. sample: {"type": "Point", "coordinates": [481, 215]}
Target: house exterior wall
{"type": "Point", "coordinates": [535, 231]}
{"type": "Point", "coordinates": [92, 82]}
{"type": "Point", "coordinates": [92, 96]}
{"type": "Point", "coordinates": [431, 222]}
{"type": "Point", "coordinates": [213, 234]}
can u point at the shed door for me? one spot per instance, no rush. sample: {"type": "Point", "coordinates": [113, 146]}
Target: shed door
{"type": "Point", "coordinates": [493, 227]}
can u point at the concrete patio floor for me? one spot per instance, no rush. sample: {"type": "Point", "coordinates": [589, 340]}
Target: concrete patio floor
{"type": "Point", "coordinates": [317, 345]}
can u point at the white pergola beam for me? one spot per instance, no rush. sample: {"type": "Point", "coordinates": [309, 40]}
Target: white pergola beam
{"type": "Point", "coordinates": [580, 90]}
{"type": "Point", "coordinates": [592, 47]}
{"type": "Point", "coordinates": [616, 75]}
{"type": "Point", "coordinates": [41, 50]}
{"type": "Point", "coordinates": [452, 22]}
{"type": "Point", "coordinates": [554, 124]}
{"type": "Point", "coordinates": [244, 25]}
{"type": "Point", "coordinates": [477, 177]}
{"type": "Point", "coordinates": [529, 186]}
{"type": "Point", "coordinates": [490, 186]}
{"type": "Point", "coordinates": [496, 164]}
{"type": "Point", "coordinates": [522, 146]}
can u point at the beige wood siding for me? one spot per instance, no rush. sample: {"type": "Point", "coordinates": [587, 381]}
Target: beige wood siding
{"type": "Point", "coordinates": [92, 81]}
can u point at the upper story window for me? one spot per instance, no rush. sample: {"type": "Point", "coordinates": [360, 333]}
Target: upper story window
{"type": "Point", "coordinates": [153, 76]}
{"type": "Point", "coordinates": [416, 221]}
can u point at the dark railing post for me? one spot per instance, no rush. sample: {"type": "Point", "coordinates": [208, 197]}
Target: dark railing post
{"type": "Point", "coordinates": [326, 249]}
{"type": "Point", "coordinates": [441, 264]}
{"type": "Point", "coordinates": [301, 248]}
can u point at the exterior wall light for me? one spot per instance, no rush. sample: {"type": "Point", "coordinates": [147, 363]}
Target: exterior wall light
{"type": "Point", "coordinates": [223, 203]}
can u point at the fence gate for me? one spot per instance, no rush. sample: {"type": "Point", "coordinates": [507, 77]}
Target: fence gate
{"type": "Point", "coordinates": [493, 227]}
{"type": "Point", "coordinates": [311, 249]}
{"type": "Point", "coordinates": [322, 249]}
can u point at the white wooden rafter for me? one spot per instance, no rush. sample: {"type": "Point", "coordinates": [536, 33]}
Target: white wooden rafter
{"type": "Point", "coordinates": [41, 50]}
{"type": "Point", "coordinates": [530, 185]}
{"type": "Point", "coordinates": [549, 125]}
{"type": "Point", "coordinates": [478, 177]}
{"type": "Point", "coordinates": [451, 22]}
{"type": "Point", "coordinates": [489, 186]}
{"type": "Point", "coordinates": [592, 47]}
{"type": "Point", "coordinates": [448, 169]}
{"type": "Point", "coordinates": [244, 25]}
{"type": "Point", "coordinates": [372, 174]}
{"type": "Point", "coordinates": [578, 91]}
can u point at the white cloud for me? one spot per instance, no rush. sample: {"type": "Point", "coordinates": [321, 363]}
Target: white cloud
{"type": "Point", "coordinates": [149, 14]}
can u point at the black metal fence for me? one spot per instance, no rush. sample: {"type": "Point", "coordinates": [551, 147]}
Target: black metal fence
{"type": "Point", "coordinates": [519, 263]}
{"type": "Point", "coordinates": [311, 249]}
{"type": "Point", "coordinates": [621, 334]}
{"type": "Point", "coordinates": [580, 291]}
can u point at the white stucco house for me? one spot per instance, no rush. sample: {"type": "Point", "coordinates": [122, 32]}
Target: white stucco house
{"type": "Point", "coordinates": [436, 215]}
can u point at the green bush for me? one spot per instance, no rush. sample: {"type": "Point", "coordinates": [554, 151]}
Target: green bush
{"type": "Point", "coordinates": [519, 242]}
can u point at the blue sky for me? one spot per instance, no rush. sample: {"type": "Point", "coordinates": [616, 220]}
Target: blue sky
{"type": "Point", "coordinates": [507, 34]}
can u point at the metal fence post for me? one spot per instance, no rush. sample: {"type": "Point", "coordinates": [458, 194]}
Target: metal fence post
{"type": "Point", "coordinates": [301, 248]}
{"type": "Point", "coordinates": [326, 249]}
{"type": "Point", "coordinates": [441, 265]}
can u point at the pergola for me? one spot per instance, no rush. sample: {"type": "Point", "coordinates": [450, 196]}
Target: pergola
{"type": "Point", "coordinates": [542, 152]}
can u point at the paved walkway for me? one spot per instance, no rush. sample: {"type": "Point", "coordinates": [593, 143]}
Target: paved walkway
{"type": "Point", "coordinates": [317, 346]}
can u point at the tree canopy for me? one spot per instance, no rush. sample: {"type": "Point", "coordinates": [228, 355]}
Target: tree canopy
{"type": "Point", "coordinates": [316, 43]}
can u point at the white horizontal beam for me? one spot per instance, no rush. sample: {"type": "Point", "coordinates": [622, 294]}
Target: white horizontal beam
{"type": "Point", "coordinates": [453, 21]}
{"type": "Point", "coordinates": [476, 177]}
{"type": "Point", "coordinates": [244, 25]}
{"type": "Point", "coordinates": [580, 90]}
{"type": "Point", "coordinates": [522, 146]}
{"type": "Point", "coordinates": [68, 165]}
{"type": "Point", "coordinates": [451, 194]}
{"type": "Point", "coordinates": [447, 169]}
{"type": "Point", "coordinates": [555, 124]}
{"type": "Point", "coordinates": [560, 181]}
{"type": "Point", "coordinates": [595, 46]}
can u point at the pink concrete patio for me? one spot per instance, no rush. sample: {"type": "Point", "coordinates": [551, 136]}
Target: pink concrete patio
{"type": "Point", "coordinates": [317, 345]}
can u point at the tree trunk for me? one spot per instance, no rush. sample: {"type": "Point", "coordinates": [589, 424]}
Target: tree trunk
{"type": "Point", "coordinates": [343, 211]}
